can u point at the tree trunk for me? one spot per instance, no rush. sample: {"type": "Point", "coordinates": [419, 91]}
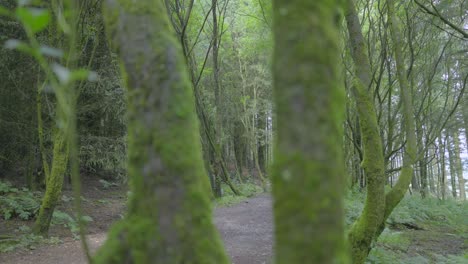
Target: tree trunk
{"type": "Point", "coordinates": [396, 194]}
{"type": "Point", "coordinates": [432, 167]}
{"type": "Point", "coordinates": [54, 183]}
{"type": "Point", "coordinates": [240, 145]}
{"type": "Point", "coordinates": [443, 177]}
{"type": "Point", "coordinates": [423, 164]}
{"type": "Point", "coordinates": [459, 166]}
{"type": "Point", "coordinates": [453, 170]}
{"type": "Point", "coordinates": [169, 216]}
{"type": "Point", "coordinates": [419, 181]}
{"type": "Point", "coordinates": [363, 230]}
{"type": "Point", "coordinates": [261, 140]}
{"type": "Point", "coordinates": [217, 91]}
{"type": "Point", "coordinates": [308, 172]}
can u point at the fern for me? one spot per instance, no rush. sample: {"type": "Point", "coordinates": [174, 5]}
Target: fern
{"type": "Point", "coordinates": [15, 203]}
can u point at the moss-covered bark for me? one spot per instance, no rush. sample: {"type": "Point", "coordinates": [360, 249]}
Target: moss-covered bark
{"type": "Point", "coordinates": [308, 172]}
{"type": "Point", "coordinates": [362, 232]}
{"type": "Point", "coordinates": [169, 216]}
{"type": "Point", "coordinates": [54, 183]}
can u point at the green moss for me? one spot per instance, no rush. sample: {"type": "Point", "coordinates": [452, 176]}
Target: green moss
{"type": "Point", "coordinates": [169, 217]}
{"type": "Point", "coordinates": [307, 175]}
{"type": "Point", "coordinates": [54, 184]}
{"type": "Point", "coordinates": [362, 232]}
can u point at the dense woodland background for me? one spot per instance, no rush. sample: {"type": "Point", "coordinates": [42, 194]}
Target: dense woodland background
{"type": "Point", "coordinates": [403, 69]}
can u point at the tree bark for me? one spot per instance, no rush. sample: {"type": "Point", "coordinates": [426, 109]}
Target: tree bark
{"type": "Point", "coordinates": [441, 160]}
{"type": "Point", "coordinates": [308, 172]}
{"type": "Point", "coordinates": [169, 216]}
{"type": "Point", "coordinates": [453, 170]}
{"type": "Point", "coordinates": [459, 166]}
{"type": "Point", "coordinates": [363, 230]}
{"type": "Point", "coordinates": [396, 194]}
{"type": "Point", "coordinates": [54, 183]}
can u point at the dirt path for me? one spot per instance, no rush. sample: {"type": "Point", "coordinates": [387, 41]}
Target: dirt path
{"type": "Point", "coordinates": [246, 229]}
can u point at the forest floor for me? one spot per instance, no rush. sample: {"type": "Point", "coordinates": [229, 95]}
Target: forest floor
{"type": "Point", "coordinates": [246, 228]}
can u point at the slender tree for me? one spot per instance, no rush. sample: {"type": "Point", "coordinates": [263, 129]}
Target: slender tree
{"type": "Point", "coordinates": [363, 230]}
{"type": "Point", "coordinates": [394, 196]}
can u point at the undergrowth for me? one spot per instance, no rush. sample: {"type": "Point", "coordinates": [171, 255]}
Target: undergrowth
{"type": "Point", "coordinates": [24, 205]}
{"type": "Point", "coordinates": [229, 198]}
{"type": "Point", "coordinates": [18, 203]}
{"type": "Point", "coordinates": [434, 217]}
{"type": "Point", "coordinates": [64, 219]}
{"type": "Point", "coordinates": [23, 238]}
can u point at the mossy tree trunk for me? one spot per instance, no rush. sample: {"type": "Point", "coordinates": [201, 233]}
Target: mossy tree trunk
{"type": "Point", "coordinates": [378, 206]}
{"type": "Point", "coordinates": [54, 183]}
{"type": "Point", "coordinates": [54, 174]}
{"type": "Point", "coordinates": [308, 172]}
{"type": "Point", "coordinates": [169, 216]}
{"type": "Point", "coordinates": [363, 230]}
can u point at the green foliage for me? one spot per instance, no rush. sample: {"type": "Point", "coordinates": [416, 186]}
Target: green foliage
{"type": "Point", "coordinates": [394, 240]}
{"type": "Point", "coordinates": [414, 209]}
{"type": "Point", "coordinates": [24, 241]}
{"type": "Point", "coordinates": [28, 241]}
{"type": "Point", "coordinates": [381, 255]}
{"type": "Point", "coordinates": [395, 247]}
{"type": "Point", "coordinates": [62, 218]}
{"type": "Point", "coordinates": [34, 19]}
{"type": "Point", "coordinates": [354, 204]}
{"type": "Point", "coordinates": [229, 198]}
{"type": "Point", "coordinates": [246, 189]}
{"type": "Point", "coordinates": [101, 154]}
{"type": "Point", "coordinates": [16, 203]}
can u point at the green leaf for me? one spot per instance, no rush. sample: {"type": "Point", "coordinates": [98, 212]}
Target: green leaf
{"type": "Point", "coordinates": [79, 74]}
{"type": "Point", "coordinates": [35, 19]}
